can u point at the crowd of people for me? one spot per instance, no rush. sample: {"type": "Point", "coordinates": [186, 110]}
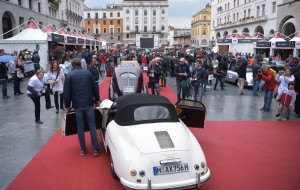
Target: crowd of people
{"type": "Point", "coordinates": [73, 79]}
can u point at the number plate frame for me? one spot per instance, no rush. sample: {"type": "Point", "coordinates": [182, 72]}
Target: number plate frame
{"type": "Point", "coordinates": [172, 169]}
{"type": "Point", "coordinates": [128, 89]}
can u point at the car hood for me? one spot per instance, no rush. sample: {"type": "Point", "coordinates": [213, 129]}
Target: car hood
{"type": "Point", "coordinates": [161, 137]}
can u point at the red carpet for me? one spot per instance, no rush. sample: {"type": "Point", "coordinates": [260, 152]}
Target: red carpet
{"type": "Point", "coordinates": [241, 155]}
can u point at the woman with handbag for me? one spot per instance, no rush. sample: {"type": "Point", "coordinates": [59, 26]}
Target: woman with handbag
{"type": "Point", "coordinates": [56, 76]}
{"type": "Point", "coordinates": [4, 76]}
{"type": "Point", "coordinates": [19, 74]}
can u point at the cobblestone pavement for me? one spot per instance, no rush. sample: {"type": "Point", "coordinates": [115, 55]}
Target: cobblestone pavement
{"type": "Point", "coordinates": [21, 138]}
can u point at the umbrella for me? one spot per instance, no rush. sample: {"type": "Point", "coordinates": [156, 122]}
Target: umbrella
{"type": "Point", "coordinates": [6, 58]}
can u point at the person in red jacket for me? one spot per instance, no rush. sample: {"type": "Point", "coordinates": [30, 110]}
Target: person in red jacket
{"type": "Point", "coordinates": [267, 76]}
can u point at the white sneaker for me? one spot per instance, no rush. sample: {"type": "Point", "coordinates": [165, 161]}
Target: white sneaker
{"type": "Point", "coordinates": [278, 118]}
{"type": "Point", "coordinates": [283, 119]}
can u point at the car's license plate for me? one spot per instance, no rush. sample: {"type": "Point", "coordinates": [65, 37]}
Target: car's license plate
{"type": "Point", "coordinates": [163, 170]}
{"type": "Point", "coordinates": [128, 89]}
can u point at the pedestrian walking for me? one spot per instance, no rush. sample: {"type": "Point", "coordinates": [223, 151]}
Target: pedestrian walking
{"type": "Point", "coordinates": [241, 71]}
{"type": "Point", "coordinates": [81, 90]}
{"type": "Point", "coordinates": [4, 76]}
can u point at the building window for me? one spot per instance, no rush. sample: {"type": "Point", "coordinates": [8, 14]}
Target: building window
{"type": "Point", "coordinates": [88, 15]}
{"type": "Point", "coordinates": [163, 19]}
{"type": "Point", "coordinates": [119, 37]}
{"type": "Point", "coordinates": [127, 11]}
{"type": "Point", "coordinates": [89, 22]}
{"type": "Point", "coordinates": [20, 2]}
{"type": "Point", "coordinates": [136, 12]}
{"type": "Point", "coordinates": [97, 31]}
{"type": "Point", "coordinates": [96, 15]}
{"type": "Point", "coordinates": [39, 7]}
{"type": "Point", "coordinates": [245, 12]}
{"type": "Point", "coordinates": [204, 32]}
{"type": "Point", "coordinates": [145, 28]}
{"type": "Point", "coordinates": [238, 2]}
{"type": "Point", "coordinates": [263, 10]}
{"type": "Point", "coordinates": [274, 7]}
{"type": "Point", "coordinates": [127, 19]}
{"type": "Point", "coordinates": [204, 17]}
{"type": "Point", "coordinates": [104, 22]}
{"type": "Point", "coordinates": [127, 28]}
{"type": "Point", "coordinates": [104, 15]}
{"type": "Point", "coordinates": [154, 28]}
{"type": "Point", "coordinates": [154, 20]}
{"type": "Point", "coordinates": [234, 2]}
{"type": "Point", "coordinates": [127, 35]}
{"type": "Point", "coordinates": [154, 12]}
{"type": "Point", "coordinates": [237, 16]}
{"type": "Point", "coordinates": [145, 20]}
{"type": "Point", "coordinates": [136, 28]}
{"type": "Point", "coordinates": [118, 14]}
{"type": "Point", "coordinates": [162, 27]}
{"type": "Point", "coordinates": [104, 30]}
{"type": "Point", "coordinates": [119, 30]}
{"type": "Point", "coordinates": [111, 14]}
{"type": "Point", "coordinates": [21, 20]}
{"type": "Point", "coordinates": [96, 22]}
{"type": "Point", "coordinates": [257, 11]}
{"type": "Point", "coordinates": [136, 20]}
{"type": "Point", "coordinates": [89, 30]}
{"type": "Point", "coordinates": [249, 12]}
{"type": "Point", "coordinates": [111, 37]}
{"type": "Point", "coordinates": [119, 22]}
{"type": "Point", "coordinates": [111, 30]}
{"type": "Point", "coordinates": [30, 4]}
{"type": "Point", "coordinates": [111, 22]}
{"type": "Point", "coordinates": [163, 11]}
{"type": "Point", "coordinates": [145, 12]}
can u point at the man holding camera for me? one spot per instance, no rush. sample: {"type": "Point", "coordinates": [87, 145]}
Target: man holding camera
{"type": "Point", "coordinates": [154, 72]}
{"type": "Point", "coordinates": [269, 85]}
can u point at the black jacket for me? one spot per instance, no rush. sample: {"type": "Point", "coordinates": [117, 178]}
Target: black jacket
{"type": "Point", "coordinates": [35, 58]}
{"type": "Point", "coordinates": [80, 89]}
{"type": "Point", "coordinates": [157, 72]}
{"type": "Point", "coordinates": [94, 70]}
{"type": "Point", "coordinates": [182, 69]}
{"type": "Point", "coordinates": [242, 70]}
{"type": "Point", "coordinates": [3, 71]}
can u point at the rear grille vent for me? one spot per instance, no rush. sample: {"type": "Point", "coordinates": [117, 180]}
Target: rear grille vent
{"type": "Point", "coordinates": [164, 139]}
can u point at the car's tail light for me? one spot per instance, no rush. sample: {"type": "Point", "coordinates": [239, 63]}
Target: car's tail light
{"type": "Point", "coordinates": [138, 180]}
{"type": "Point", "coordinates": [133, 172]}
{"type": "Point", "coordinates": [202, 173]}
{"type": "Point", "coordinates": [196, 166]}
{"type": "Point", "coordinates": [203, 165]}
{"type": "Point", "coordinates": [142, 173]}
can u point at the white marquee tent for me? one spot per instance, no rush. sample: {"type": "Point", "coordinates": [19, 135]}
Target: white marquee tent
{"type": "Point", "coordinates": [30, 38]}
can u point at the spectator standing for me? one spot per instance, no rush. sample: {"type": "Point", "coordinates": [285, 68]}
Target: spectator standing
{"type": "Point", "coordinates": [182, 73]}
{"type": "Point", "coordinates": [198, 78]}
{"type": "Point", "coordinates": [66, 66]}
{"type": "Point", "coordinates": [36, 60]}
{"type": "Point", "coordinates": [241, 71]}
{"type": "Point", "coordinates": [80, 89]}
{"type": "Point", "coordinates": [93, 68]}
{"type": "Point", "coordinates": [19, 74]}
{"type": "Point", "coordinates": [4, 79]}
{"type": "Point", "coordinates": [267, 75]}
{"type": "Point", "coordinates": [35, 90]}
{"type": "Point", "coordinates": [164, 63]}
{"type": "Point", "coordinates": [287, 98]}
{"type": "Point", "coordinates": [218, 73]}
{"type": "Point", "coordinates": [297, 90]}
{"type": "Point", "coordinates": [56, 75]}
{"type": "Point", "coordinates": [154, 72]}
{"type": "Point", "coordinates": [255, 68]}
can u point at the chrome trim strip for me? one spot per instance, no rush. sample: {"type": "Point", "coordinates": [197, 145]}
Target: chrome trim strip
{"type": "Point", "coordinates": [198, 179]}
{"type": "Point", "coordinates": [149, 183]}
{"type": "Point", "coordinates": [170, 162]}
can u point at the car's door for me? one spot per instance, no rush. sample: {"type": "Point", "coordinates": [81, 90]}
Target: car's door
{"type": "Point", "coordinates": [192, 113]}
{"type": "Point", "coordinates": [69, 124]}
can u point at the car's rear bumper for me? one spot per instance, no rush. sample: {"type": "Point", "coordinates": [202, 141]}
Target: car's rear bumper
{"type": "Point", "coordinates": [197, 181]}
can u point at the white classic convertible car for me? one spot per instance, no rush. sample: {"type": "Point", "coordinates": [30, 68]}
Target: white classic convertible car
{"type": "Point", "coordinates": [149, 143]}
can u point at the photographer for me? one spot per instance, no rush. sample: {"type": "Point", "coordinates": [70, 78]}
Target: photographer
{"type": "Point", "coordinates": [35, 90]}
{"type": "Point", "coordinates": [269, 85]}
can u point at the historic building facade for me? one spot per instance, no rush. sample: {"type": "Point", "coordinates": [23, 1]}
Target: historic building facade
{"type": "Point", "coordinates": [145, 18]}
{"type": "Point", "coordinates": [201, 27]}
{"type": "Point", "coordinates": [244, 17]}
{"type": "Point", "coordinates": [105, 23]}
{"type": "Point", "coordinates": [66, 14]}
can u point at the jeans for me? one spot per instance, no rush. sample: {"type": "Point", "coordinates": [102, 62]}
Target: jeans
{"type": "Point", "coordinates": [89, 114]}
{"type": "Point", "coordinates": [17, 82]}
{"type": "Point", "coordinates": [255, 86]}
{"type": "Point", "coordinates": [37, 107]}
{"type": "Point", "coordinates": [155, 86]}
{"type": "Point", "coordinates": [218, 78]}
{"type": "Point", "coordinates": [268, 99]}
{"type": "Point", "coordinates": [198, 91]}
{"type": "Point", "coordinates": [4, 87]}
{"type": "Point", "coordinates": [179, 89]}
{"type": "Point", "coordinates": [205, 83]}
{"type": "Point", "coordinates": [241, 85]}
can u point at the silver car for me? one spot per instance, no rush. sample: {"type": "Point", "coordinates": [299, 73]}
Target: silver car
{"type": "Point", "coordinates": [233, 77]}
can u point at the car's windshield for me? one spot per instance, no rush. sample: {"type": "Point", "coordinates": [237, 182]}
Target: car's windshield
{"type": "Point", "coordinates": [151, 113]}
{"type": "Point", "coordinates": [128, 75]}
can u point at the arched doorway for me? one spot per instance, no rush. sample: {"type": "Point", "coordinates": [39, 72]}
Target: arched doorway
{"type": "Point", "coordinates": [259, 30]}
{"type": "Point", "coordinates": [225, 34]}
{"type": "Point", "coordinates": [218, 35]}
{"type": "Point", "coordinates": [7, 25]}
{"type": "Point", "coordinates": [289, 29]}
{"type": "Point", "coordinates": [245, 31]}
{"type": "Point", "coordinates": [234, 33]}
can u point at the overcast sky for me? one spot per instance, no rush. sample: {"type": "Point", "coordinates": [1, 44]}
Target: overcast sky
{"type": "Point", "coordinates": [180, 11]}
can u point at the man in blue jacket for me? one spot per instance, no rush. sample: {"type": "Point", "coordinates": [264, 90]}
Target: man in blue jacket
{"type": "Point", "coordinates": [80, 89]}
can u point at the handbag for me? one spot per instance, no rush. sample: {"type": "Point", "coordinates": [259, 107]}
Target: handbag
{"type": "Point", "coordinates": [69, 123]}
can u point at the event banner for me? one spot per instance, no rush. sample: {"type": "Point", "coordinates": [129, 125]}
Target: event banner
{"type": "Point", "coordinates": [57, 38]}
{"type": "Point", "coordinates": [249, 41]}
{"type": "Point", "coordinates": [263, 44]}
{"type": "Point", "coordinates": [282, 44]}
{"type": "Point", "coordinates": [224, 41]}
{"type": "Point", "coordinates": [71, 40]}
{"type": "Point", "coordinates": [80, 41]}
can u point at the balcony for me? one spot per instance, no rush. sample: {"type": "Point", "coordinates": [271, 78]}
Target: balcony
{"type": "Point", "coordinates": [54, 3]}
{"type": "Point", "coordinates": [63, 23]}
{"type": "Point", "coordinates": [244, 21]}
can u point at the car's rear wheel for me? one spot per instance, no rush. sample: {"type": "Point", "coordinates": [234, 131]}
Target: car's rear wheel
{"type": "Point", "coordinates": [112, 169]}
